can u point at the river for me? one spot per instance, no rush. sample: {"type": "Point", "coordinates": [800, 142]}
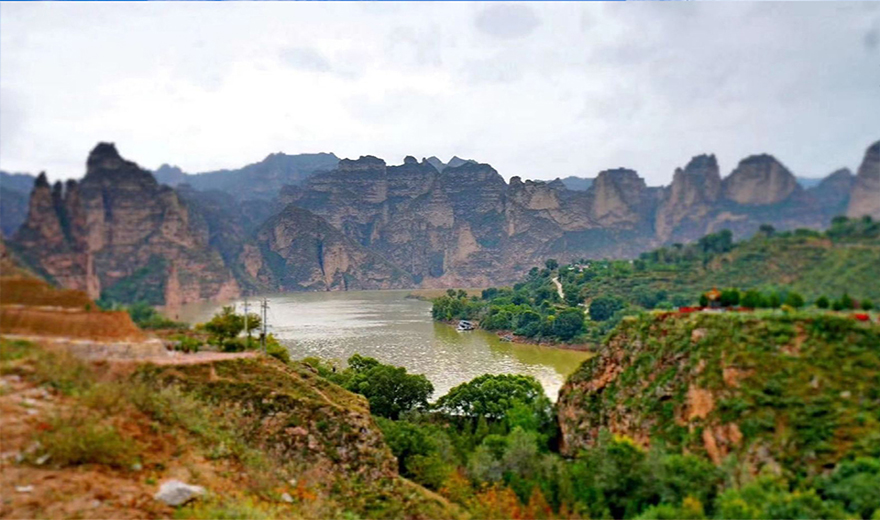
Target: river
{"type": "Point", "coordinates": [397, 330]}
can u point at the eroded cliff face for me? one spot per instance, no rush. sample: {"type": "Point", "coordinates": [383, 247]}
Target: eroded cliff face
{"type": "Point", "coordinates": [759, 180]}
{"type": "Point", "coordinates": [304, 252]}
{"type": "Point", "coordinates": [440, 225]}
{"type": "Point", "coordinates": [865, 196]}
{"type": "Point", "coordinates": [119, 226]}
{"type": "Point", "coordinates": [691, 196]}
{"type": "Point", "coordinates": [717, 384]}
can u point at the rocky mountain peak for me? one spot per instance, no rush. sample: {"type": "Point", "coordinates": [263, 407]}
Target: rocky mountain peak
{"type": "Point", "coordinates": [700, 181]}
{"type": "Point", "coordinates": [409, 159]}
{"type": "Point", "coordinates": [436, 163]}
{"type": "Point", "coordinates": [362, 164]}
{"type": "Point", "coordinates": [42, 181]}
{"type": "Point", "coordinates": [616, 194]}
{"type": "Point", "coordinates": [457, 161]}
{"type": "Point", "coordinates": [865, 197]}
{"type": "Point", "coordinates": [759, 180]}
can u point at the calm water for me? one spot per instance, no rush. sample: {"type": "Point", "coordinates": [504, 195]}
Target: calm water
{"type": "Point", "coordinates": [394, 329]}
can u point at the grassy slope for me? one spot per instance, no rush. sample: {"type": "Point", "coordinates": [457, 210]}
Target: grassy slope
{"type": "Point", "coordinates": [247, 430]}
{"type": "Point", "coordinates": [812, 266]}
{"type": "Point", "coordinates": [801, 390]}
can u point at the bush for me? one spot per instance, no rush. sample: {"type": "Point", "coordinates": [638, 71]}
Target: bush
{"type": "Point", "coordinates": [277, 350]}
{"type": "Point", "coordinates": [822, 302]}
{"type": "Point", "coordinates": [79, 439]}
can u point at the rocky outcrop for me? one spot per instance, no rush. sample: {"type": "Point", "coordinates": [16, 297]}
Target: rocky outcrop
{"type": "Point", "coordinates": [304, 252]}
{"type": "Point", "coordinates": [833, 192]}
{"type": "Point", "coordinates": [865, 196]}
{"type": "Point", "coordinates": [703, 382]}
{"type": "Point", "coordinates": [440, 225]}
{"type": "Point", "coordinates": [759, 180]}
{"type": "Point", "coordinates": [118, 228]}
{"type": "Point", "coordinates": [691, 196]}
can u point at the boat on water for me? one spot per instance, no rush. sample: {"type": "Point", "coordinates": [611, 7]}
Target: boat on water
{"type": "Point", "coordinates": [464, 326]}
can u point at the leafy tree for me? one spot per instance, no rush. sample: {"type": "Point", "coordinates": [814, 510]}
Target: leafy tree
{"type": "Point", "coordinates": [822, 302]}
{"type": "Point", "coordinates": [604, 307]}
{"type": "Point", "coordinates": [867, 305]}
{"type": "Point", "coordinates": [704, 300]}
{"type": "Point", "coordinates": [226, 324]}
{"type": "Point", "coordinates": [729, 298]}
{"type": "Point", "coordinates": [767, 230]}
{"type": "Point", "coordinates": [568, 324]}
{"type": "Point", "coordinates": [389, 389]}
{"type": "Point", "coordinates": [846, 302]}
{"type": "Point", "coordinates": [492, 396]}
{"type": "Point", "coordinates": [794, 299]}
{"type": "Point", "coordinates": [774, 301]}
{"type": "Point", "coordinates": [551, 264]}
{"type": "Point", "coordinates": [855, 484]}
{"type": "Point", "coordinates": [770, 497]}
{"type": "Point", "coordinates": [753, 299]}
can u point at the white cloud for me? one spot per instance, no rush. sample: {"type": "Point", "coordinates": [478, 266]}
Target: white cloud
{"type": "Point", "coordinates": [538, 90]}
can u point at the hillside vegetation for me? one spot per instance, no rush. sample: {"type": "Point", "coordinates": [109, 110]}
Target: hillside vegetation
{"type": "Point", "coordinates": [786, 403]}
{"type": "Point", "coordinates": [797, 268]}
{"type": "Point", "coordinates": [265, 439]}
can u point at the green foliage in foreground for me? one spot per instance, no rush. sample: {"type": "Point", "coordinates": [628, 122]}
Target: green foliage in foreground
{"type": "Point", "coordinates": [389, 389]}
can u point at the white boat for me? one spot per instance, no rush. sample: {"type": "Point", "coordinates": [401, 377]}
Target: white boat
{"type": "Point", "coordinates": [464, 326]}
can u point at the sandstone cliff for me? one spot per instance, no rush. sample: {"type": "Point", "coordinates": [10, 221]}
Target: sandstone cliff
{"type": "Point", "coordinates": [304, 252]}
{"type": "Point", "coordinates": [759, 179]}
{"type": "Point", "coordinates": [865, 196]}
{"type": "Point", "coordinates": [455, 224]}
{"type": "Point", "coordinates": [119, 231]}
{"type": "Point", "coordinates": [691, 196]}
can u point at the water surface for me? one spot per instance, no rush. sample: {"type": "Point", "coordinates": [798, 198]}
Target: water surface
{"type": "Point", "coordinates": [397, 330]}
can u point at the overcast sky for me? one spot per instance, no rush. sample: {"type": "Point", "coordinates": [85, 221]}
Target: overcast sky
{"type": "Point", "coordinates": [539, 90]}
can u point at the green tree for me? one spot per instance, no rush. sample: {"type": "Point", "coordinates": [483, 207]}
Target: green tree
{"type": "Point", "coordinates": [568, 324]}
{"type": "Point", "coordinates": [389, 389]}
{"type": "Point", "coordinates": [729, 298]}
{"type": "Point", "coordinates": [753, 299]}
{"type": "Point", "coordinates": [493, 395]}
{"type": "Point", "coordinates": [822, 302]}
{"type": "Point", "coordinates": [794, 299]}
{"type": "Point", "coordinates": [551, 264]}
{"type": "Point", "coordinates": [604, 307]}
{"type": "Point", "coordinates": [226, 324]}
{"type": "Point", "coordinates": [855, 484]}
{"type": "Point", "coordinates": [867, 305]}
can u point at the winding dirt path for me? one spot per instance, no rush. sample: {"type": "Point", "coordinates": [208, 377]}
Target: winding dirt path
{"type": "Point", "coordinates": [558, 287]}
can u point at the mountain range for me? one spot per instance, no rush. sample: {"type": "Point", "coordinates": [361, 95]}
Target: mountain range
{"type": "Point", "coordinates": [315, 222]}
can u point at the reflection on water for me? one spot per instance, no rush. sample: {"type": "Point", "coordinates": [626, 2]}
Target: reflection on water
{"type": "Point", "coordinates": [399, 331]}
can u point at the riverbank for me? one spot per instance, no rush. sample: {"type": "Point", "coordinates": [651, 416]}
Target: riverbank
{"type": "Point", "coordinates": [427, 295]}
{"type": "Point", "coordinates": [508, 336]}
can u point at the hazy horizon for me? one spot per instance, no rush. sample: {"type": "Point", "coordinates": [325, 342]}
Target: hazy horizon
{"type": "Point", "coordinates": [536, 90]}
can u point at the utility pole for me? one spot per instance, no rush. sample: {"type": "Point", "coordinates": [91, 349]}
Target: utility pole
{"type": "Point", "coordinates": [246, 329]}
{"type": "Point", "coordinates": [264, 307]}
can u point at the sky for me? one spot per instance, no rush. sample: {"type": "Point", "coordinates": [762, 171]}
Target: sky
{"type": "Point", "coordinates": [537, 90]}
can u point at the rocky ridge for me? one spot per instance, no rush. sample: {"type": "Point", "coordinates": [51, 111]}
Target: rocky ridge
{"type": "Point", "coordinates": [439, 224]}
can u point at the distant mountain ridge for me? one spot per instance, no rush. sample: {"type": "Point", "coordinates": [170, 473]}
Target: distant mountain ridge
{"type": "Point", "coordinates": [261, 180]}
{"type": "Point", "coordinates": [366, 224]}
{"type": "Point", "coordinates": [14, 191]}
